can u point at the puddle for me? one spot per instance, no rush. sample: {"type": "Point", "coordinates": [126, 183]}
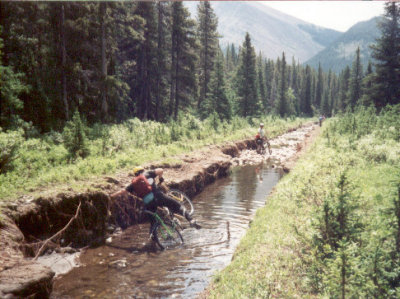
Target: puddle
{"type": "Point", "coordinates": [130, 266]}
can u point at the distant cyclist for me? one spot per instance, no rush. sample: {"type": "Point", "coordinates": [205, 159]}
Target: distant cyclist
{"type": "Point", "coordinates": [261, 137]}
{"type": "Point", "coordinates": [144, 186]}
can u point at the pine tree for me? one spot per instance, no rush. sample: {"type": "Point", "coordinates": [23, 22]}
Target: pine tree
{"type": "Point", "coordinates": [217, 99]}
{"type": "Point", "coordinates": [355, 83]}
{"type": "Point", "coordinates": [246, 80]}
{"type": "Point", "coordinates": [386, 83]}
{"type": "Point", "coordinates": [145, 83]}
{"type": "Point", "coordinates": [161, 81]}
{"type": "Point", "coordinates": [281, 105]}
{"type": "Point", "coordinates": [207, 24]}
{"type": "Point", "coordinates": [366, 99]}
{"type": "Point", "coordinates": [183, 55]}
{"type": "Point", "coordinates": [305, 106]}
{"type": "Point", "coordinates": [319, 88]}
{"type": "Point", "coordinates": [261, 81]}
{"type": "Point", "coordinates": [11, 88]}
{"type": "Point", "coordinates": [343, 91]}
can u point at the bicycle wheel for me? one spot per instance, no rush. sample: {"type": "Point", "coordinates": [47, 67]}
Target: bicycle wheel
{"type": "Point", "coordinates": [183, 199]}
{"type": "Point", "coordinates": [167, 236]}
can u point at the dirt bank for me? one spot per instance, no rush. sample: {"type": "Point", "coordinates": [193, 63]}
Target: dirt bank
{"type": "Point", "coordinates": [29, 221]}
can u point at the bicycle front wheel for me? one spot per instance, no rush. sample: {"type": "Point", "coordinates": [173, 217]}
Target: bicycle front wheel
{"type": "Point", "coordinates": [183, 199]}
{"type": "Point", "coordinates": [167, 236]}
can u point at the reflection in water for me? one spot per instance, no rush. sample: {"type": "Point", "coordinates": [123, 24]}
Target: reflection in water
{"type": "Point", "coordinates": [132, 267]}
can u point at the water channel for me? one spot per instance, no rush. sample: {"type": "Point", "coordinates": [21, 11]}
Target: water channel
{"type": "Point", "coordinates": [132, 267]}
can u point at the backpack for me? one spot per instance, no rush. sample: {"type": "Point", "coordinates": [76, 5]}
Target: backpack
{"type": "Point", "coordinates": [258, 136]}
{"type": "Point", "coordinates": [141, 186]}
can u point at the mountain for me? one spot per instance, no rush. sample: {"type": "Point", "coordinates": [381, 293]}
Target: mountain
{"type": "Point", "coordinates": [341, 52]}
{"type": "Point", "coordinates": [271, 31]}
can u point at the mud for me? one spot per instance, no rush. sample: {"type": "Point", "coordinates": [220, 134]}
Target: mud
{"type": "Point", "coordinates": [29, 221]}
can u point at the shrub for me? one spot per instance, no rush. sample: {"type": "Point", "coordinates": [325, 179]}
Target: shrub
{"type": "Point", "coordinates": [9, 146]}
{"type": "Point", "coordinates": [75, 140]}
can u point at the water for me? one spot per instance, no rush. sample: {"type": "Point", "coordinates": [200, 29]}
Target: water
{"type": "Point", "coordinates": [131, 266]}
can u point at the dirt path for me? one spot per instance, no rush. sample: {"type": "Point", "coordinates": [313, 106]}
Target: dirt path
{"type": "Point", "coordinates": [41, 216]}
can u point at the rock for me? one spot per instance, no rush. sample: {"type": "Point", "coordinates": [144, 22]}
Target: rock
{"type": "Point", "coordinates": [118, 264]}
{"type": "Point", "coordinates": [27, 279]}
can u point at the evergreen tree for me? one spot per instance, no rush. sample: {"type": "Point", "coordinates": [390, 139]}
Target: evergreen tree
{"type": "Point", "coordinates": [305, 107]}
{"type": "Point", "coordinates": [319, 88]}
{"type": "Point", "coordinates": [217, 99]}
{"type": "Point", "coordinates": [261, 81]}
{"type": "Point", "coordinates": [207, 24]}
{"type": "Point", "coordinates": [11, 88]}
{"type": "Point", "coordinates": [366, 99]}
{"type": "Point", "coordinates": [386, 52]}
{"type": "Point", "coordinates": [355, 83]}
{"type": "Point", "coordinates": [246, 80]}
{"type": "Point", "coordinates": [145, 79]}
{"type": "Point", "coordinates": [163, 34]}
{"type": "Point", "coordinates": [281, 105]}
{"type": "Point", "coordinates": [343, 91]}
{"type": "Point", "coordinates": [183, 55]}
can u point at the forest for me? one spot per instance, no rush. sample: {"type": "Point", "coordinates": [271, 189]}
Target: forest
{"type": "Point", "coordinates": [115, 61]}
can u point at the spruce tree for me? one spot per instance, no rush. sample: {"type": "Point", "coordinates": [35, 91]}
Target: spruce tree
{"type": "Point", "coordinates": [343, 91]}
{"type": "Point", "coordinates": [355, 83]}
{"type": "Point", "coordinates": [261, 81]}
{"type": "Point", "coordinates": [184, 58]}
{"type": "Point", "coordinates": [207, 24]}
{"type": "Point", "coordinates": [217, 100]}
{"type": "Point", "coordinates": [386, 52]}
{"type": "Point", "coordinates": [281, 106]}
{"type": "Point", "coordinates": [319, 88]}
{"type": "Point", "coordinates": [305, 106]}
{"type": "Point", "coordinates": [246, 80]}
{"type": "Point", "coordinates": [366, 98]}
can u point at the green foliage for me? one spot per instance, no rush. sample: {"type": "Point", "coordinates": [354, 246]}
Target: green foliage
{"type": "Point", "coordinates": [9, 146]}
{"type": "Point", "coordinates": [75, 140]}
{"type": "Point", "coordinates": [41, 161]}
{"type": "Point", "coordinates": [323, 233]}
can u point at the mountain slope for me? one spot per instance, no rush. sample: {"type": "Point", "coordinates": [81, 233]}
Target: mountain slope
{"type": "Point", "coordinates": [341, 52]}
{"type": "Point", "coordinates": [271, 31]}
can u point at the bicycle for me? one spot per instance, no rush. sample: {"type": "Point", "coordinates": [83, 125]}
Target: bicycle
{"type": "Point", "coordinates": [165, 229]}
{"type": "Point", "coordinates": [182, 198]}
{"type": "Point", "coordinates": [260, 147]}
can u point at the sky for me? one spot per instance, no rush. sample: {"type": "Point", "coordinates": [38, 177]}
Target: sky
{"type": "Point", "coordinates": [338, 15]}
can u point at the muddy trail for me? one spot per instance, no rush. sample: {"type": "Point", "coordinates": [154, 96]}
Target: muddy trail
{"type": "Point", "coordinates": [30, 221]}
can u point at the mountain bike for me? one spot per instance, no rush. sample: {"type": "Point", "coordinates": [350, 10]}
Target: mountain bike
{"type": "Point", "coordinates": [260, 146]}
{"type": "Point", "coordinates": [165, 230]}
{"type": "Point", "coordinates": [182, 198]}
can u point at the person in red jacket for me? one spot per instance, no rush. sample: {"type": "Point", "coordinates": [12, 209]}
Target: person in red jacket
{"type": "Point", "coordinates": [144, 185]}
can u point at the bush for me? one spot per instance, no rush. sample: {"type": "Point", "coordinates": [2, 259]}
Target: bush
{"type": "Point", "coordinates": [9, 146]}
{"type": "Point", "coordinates": [75, 140]}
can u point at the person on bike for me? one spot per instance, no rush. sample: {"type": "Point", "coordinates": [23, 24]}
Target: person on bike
{"type": "Point", "coordinates": [144, 185]}
{"type": "Point", "coordinates": [260, 137]}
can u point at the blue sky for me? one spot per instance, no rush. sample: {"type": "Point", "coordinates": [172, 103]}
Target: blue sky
{"type": "Point", "coordinates": [338, 15]}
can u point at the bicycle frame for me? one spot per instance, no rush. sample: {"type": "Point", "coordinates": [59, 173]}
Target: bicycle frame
{"type": "Point", "coordinates": [160, 220]}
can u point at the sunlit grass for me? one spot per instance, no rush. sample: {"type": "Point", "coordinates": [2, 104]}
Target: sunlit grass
{"type": "Point", "coordinates": [44, 162]}
{"type": "Point", "coordinates": [273, 259]}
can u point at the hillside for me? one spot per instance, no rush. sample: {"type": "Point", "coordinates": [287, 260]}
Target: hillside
{"type": "Point", "coordinates": [341, 52]}
{"type": "Point", "coordinates": [271, 31]}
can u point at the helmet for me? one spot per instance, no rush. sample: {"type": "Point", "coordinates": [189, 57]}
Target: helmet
{"type": "Point", "coordinates": [138, 170]}
{"type": "Point", "coordinates": [261, 125]}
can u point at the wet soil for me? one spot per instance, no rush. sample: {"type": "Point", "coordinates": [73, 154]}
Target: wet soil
{"type": "Point", "coordinates": [31, 219]}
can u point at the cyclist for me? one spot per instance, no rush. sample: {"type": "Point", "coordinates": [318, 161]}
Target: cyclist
{"type": "Point", "coordinates": [144, 185]}
{"type": "Point", "coordinates": [260, 137]}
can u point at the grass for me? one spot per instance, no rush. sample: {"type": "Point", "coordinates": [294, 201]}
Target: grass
{"type": "Point", "coordinates": [44, 162]}
{"type": "Point", "coordinates": [275, 258]}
